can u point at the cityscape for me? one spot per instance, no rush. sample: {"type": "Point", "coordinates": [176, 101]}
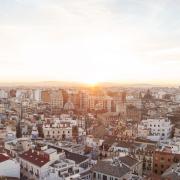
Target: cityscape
{"type": "Point", "coordinates": [89, 90]}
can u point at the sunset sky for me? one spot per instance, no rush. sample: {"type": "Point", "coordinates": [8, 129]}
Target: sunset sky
{"type": "Point", "coordinates": [90, 40]}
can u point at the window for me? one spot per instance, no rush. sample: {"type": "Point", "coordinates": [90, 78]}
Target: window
{"type": "Point", "coordinates": [162, 166]}
{"type": "Point", "coordinates": [99, 176]}
{"type": "Point", "coordinates": [105, 177]}
{"type": "Point", "coordinates": [155, 171]}
{"type": "Point", "coordinates": [156, 165]}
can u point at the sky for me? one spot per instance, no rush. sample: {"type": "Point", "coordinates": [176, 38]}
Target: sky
{"type": "Point", "coordinates": [129, 41]}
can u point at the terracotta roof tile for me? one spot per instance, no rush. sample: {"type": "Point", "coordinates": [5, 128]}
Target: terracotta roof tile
{"type": "Point", "coordinates": [38, 159]}
{"type": "Point", "coordinates": [3, 158]}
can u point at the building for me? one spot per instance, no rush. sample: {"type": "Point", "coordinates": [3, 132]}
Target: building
{"type": "Point", "coordinates": [84, 101]}
{"type": "Point", "coordinates": [58, 131]}
{"type": "Point", "coordinates": [133, 113]}
{"type": "Point", "coordinates": [45, 96]}
{"type": "Point", "coordinates": [63, 169]}
{"type": "Point", "coordinates": [120, 103]}
{"type": "Point", "coordinates": [9, 167]}
{"type": "Point", "coordinates": [163, 159]}
{"type": "Point", "coordinates": [3, 94]}
{"type": "Point", "coordinates": [35, 164]}
{"type": "Point", "coordinates": [17, 146]}
{"type": "Point", "coordinates": [56, 99]}
{"type": "Point", "coordinates": [117, 169]}
{"type": "Point", "coordinates": [155, 129]}
{"type": "Point", "coordinates": [36, 95]}
{"type": "Point", "coordinates": [172, 173]}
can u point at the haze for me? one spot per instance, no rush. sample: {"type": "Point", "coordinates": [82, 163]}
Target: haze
{"type": "Point", "coordinates": [90, 40]}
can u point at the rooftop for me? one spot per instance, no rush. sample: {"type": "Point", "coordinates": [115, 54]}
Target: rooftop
{"type": "Point", "coordinates": [128, 160]}
{"type": "Point", "coordinates": [70, 155]}
{"type": "Point", "coordinates": [3, 158]}
{"type": "Point", "coordinates": [34, 157]}
{"type": "Point", "coordinates": [107, 167]}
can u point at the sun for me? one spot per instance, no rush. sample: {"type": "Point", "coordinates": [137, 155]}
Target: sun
{"type": "Point", "coordinates": [91, 82]}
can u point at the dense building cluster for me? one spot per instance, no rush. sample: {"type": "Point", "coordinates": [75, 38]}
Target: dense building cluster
{"type": "Point", "coordinates": [90, 133]}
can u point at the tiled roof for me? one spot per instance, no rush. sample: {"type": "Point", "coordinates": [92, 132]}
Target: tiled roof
{"type": "Point", "coordinates": [70, 155]}
{"type": "Point", "coordinates": [38, 159]}
{"type": "Point", "coordinates": [130, 161]}
{"type": "Point", "coordinates": [106, 167]}
{"type": "Point", "coordinates": [75, 157]}
{"type": "Point", "coordinates": [3, 158]}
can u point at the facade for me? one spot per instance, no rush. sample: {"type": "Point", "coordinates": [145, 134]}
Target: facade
{"type": "Point", "coordinates": [8, 167]}
{"type": "Point", "coordinates": [162, 161]}
{"type": "Point", "coordinates": [158, 129]}
{"type": "Point", "coordinates": [45, 96]}
{"type": "Point", "coordinates": [35, 164]}
{"type": "Point", "coordinates": [84, 101]}
{"type": "Point", "coordinates": [3, 94]}
{"type": "Point", "coordinates": [58, 131]}
{"type": "Point", "coordinates": [56, 99]}
{"type": "Point", "coordinates": [36, 95]}
{"type": "Point", "coordinates": [172, 173]}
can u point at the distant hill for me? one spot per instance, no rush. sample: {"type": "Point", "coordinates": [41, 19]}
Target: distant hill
{"type": "Point", "coordinates": [42, 84]}
{"type": "Point", "coordinates": [76, 84]}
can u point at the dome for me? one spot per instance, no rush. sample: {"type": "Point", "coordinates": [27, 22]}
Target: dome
{"type": "Point", "coordinates": [69, 106]}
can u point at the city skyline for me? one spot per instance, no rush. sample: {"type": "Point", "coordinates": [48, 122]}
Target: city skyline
{"type": "Point", "coordinates": [90, 41]}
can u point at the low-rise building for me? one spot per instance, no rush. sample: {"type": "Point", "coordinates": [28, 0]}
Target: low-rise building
{"type": "Point", "coordinates": [35, 164]}
{"type": "Point", "coordinates": [172, 173]}
{"type": "Point", "coordinates": [155, 129]}
{"type": "Point", "coordinates": [58, 131]}
{"type": "Point", "coordinates": [9, 168]}
{"type": "Point", "coordinates": [117, 169]}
